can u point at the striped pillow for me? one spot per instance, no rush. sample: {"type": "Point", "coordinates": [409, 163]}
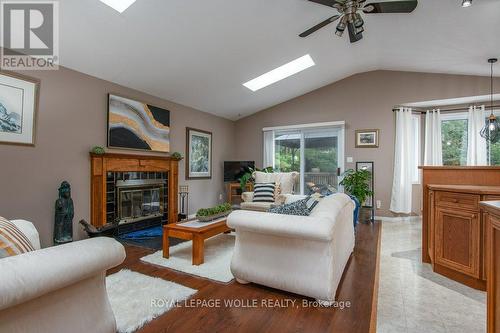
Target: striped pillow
{"type": "Point", "coordinates": [263, 192]}
{"type": "Point", "coordinates": [12, 240]}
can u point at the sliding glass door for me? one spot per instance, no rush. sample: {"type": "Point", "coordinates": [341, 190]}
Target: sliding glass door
{"type": "Point", "coordinates": [317, 153]}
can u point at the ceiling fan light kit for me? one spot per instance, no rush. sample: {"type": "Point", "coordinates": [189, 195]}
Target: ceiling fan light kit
{"type": "Point", "coordinates": [350, 15]}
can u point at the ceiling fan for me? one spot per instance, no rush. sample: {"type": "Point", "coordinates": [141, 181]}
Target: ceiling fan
{"type": "Point", "coordinates": [350, 17]}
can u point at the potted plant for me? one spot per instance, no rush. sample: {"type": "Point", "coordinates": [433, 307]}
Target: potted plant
{"type": "Point", "coordinates": [248, 176]}
{"type": "Point", "coordinates": [357, 184]}
{"type": "Point", "coordinates": [210, 214]}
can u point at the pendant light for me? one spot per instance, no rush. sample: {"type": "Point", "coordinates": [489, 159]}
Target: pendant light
{"type": "Point", "coordinates": [491, 131]}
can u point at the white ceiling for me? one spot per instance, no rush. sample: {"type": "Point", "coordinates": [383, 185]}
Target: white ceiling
{"type": "Point", "coordinates": [199, 52]}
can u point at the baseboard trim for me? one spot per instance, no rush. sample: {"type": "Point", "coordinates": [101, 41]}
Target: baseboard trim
{"type": "Point", "coordinates": [398, 218]}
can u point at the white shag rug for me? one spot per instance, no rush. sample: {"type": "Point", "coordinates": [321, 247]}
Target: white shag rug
{"type": "Point", "coordinates": [218, 253]}
{"type": "Point", "coordinates": [136, 299]}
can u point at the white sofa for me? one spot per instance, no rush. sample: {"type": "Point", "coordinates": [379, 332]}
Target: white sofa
{"type": "Point", "coordinates": [286, 180]}
{"type": "Point", "coordinates": [58, 289]}
{"type": "Point", "coordinates": [303, 255]}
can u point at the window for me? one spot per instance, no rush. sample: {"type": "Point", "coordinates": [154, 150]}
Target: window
{"type": "Point", "coordinates": [494, 148]}
{"type": "Point", "coordinates": [287, 150]}
{"type": "Point", "coordinates": [454, 132]}
{"type": "Point", "coordinates": [454, 138]}
{"type": "Point", "coordinates": [315, 152]}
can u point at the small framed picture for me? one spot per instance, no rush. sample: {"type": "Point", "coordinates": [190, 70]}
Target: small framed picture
{"type": "Point", "coordinates": [198, 154]}
{"type": "Point", "coordinates": [18, 108]}
{"type": "Point", "coordinates": [368, 138]}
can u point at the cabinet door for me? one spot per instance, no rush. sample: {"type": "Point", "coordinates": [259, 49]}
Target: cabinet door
{"type": "Point", "coordinates": [492, 226]}
{"type": "Point", "coordinates": [457, 240]}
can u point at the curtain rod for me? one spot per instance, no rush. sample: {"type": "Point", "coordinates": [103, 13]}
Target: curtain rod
{"type": "Point", "coordinates": [422, 111]}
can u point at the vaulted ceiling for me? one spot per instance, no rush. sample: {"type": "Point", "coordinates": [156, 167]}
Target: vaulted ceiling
{"type": "Point", "coordinates": [199, 52]}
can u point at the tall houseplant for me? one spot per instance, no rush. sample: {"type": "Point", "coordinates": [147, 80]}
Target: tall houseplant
{"type": "Point", "coordinates": [357, 183]}
{"type": "Point", "coordinates": [248, 176]}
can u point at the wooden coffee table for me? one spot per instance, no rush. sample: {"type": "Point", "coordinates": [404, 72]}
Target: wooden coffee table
{"type": "Point", "coordinates": [197, 235]}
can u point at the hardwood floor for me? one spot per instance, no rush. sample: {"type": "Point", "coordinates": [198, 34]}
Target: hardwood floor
{"type": "Point", "coordinates": [359, 286]}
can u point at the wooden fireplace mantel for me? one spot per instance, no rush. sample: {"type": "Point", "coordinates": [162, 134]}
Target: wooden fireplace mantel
{"type": "Point", "coordinates": [100, 165]}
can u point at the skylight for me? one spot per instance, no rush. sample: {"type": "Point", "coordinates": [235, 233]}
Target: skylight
{"type": "Point", "coordinates": [118, 5]}
{"type": "Point", "coordinates": [280, 73]}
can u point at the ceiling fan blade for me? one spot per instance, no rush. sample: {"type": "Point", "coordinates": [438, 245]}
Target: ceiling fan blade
{"type": "Point", "coordinates": [391, 7]}
{"type": "Point", "coordinates": [353, 36]}
{"type": "Point", "coordinates": [319, 26]}
{"type": "Point", "coordinates": [328, 3]}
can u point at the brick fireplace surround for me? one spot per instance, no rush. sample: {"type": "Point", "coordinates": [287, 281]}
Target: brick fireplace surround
{"type": "Point", "coordinates": [141, 166]}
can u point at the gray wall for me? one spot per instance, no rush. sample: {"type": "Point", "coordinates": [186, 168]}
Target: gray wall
{"type": "Point", "coordinates": [72, 119]}
{"type": "Point", "coordinates": [363, 101]}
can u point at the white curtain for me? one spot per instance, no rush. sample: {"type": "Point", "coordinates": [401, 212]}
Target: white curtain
{"type": "Point", "coordinates": [476, 146]}
{"type": "Point", "coordinates": [404, 162]}
{"type": "Point", "coordinates": [268, 158]}
{"type": "Point", "coordinates": [433, 153]}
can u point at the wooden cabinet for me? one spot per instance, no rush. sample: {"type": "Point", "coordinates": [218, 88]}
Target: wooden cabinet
{"type": "Point", "coordinates": [455, 227]}
{"type": "Point", "coordinates": [465, 177]}
{"type": "Point", "coordinates": [492, 251]}
{"type": "Point", "coordinates": [457, 240]}
{"type": "Point", "coordinates": [234, 192]}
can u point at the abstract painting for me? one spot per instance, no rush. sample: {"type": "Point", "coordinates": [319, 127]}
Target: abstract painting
{"type": "Point", "coordinates": [18, 106]}
{"type": "Point", "coordinates": [137, 125]}
{"type": "Point", "coordinates": [198, 154]}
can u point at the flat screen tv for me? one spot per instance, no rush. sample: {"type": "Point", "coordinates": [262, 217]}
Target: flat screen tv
{"type": "Point", "coordinates": [233, 170]}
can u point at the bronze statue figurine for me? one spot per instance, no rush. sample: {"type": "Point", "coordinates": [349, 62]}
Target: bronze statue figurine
{"type": "Point", "coordinates": [63, 226]}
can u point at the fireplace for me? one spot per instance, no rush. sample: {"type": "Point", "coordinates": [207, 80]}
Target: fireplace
{"type": "Point", "coordinates": [136, 200]}
{"type": "Point", "coordinates": [139, 200]}
{"type": "Point", "coordinates": [133, 191]}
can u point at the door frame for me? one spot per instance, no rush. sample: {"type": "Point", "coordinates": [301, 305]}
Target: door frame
{"type": "Point", "coordinates": [338, 126]}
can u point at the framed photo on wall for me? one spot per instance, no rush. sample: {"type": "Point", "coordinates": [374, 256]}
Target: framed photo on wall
{"type": "Point", "coordinates": [137, 125]}
{"type": "Point", "coordinates": [367, 138]}
{"type": "Point", "coordinates": [198, 154]}
{"type": "Point", "coordinates": [369, 167]}
{"type": "Point", "coordinates": [18, 108]}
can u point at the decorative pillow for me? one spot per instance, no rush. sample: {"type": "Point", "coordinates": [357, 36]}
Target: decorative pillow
{"type": "Point", "coordinates": [263, 192]}
{"type": "Point", "coordinates": [302, 207]}
{"type": "Point", "coordinates": [12, 240]}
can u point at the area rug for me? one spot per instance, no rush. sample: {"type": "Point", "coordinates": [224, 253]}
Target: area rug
{"type": "Point", "coordinates": [136, 299]}
{"type": "Point", "coordinates": [218, 253]}
{"type": "Point", "coordinates": [150, 238]}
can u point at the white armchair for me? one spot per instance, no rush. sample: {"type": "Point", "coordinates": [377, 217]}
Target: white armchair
{"type": "Point", "coordinates": [300, 254]}
{"type": "Point", "coordinates": [58, 289]}
{"type": "Point", "coordinates": [286, 180]}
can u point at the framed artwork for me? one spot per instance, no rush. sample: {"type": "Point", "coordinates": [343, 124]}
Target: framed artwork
{"type": "Point", "coordinates": [368, 138]}
{"type": "Point", "coordinates": [137, 125]}
{"type": "Point", "coordinates": [18, 108]}
{"type": "Point", "coordinates": [369, 167]}
{"type": "Point", "coordinates": [198, 154]}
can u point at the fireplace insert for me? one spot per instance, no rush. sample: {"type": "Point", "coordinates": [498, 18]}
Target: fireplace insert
{"type": "Point", "coordinates": [136, 200]}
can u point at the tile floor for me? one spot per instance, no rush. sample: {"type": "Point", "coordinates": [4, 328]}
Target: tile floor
{"type": "Point", "coordinates": [412, 298]}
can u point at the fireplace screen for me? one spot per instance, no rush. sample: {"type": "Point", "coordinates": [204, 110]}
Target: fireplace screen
{"type": "Point", "coordinates": [139, 203]}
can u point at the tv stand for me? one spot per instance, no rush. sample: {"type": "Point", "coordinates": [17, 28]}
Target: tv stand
{"type": "Point", "coordinates": [234, 192]}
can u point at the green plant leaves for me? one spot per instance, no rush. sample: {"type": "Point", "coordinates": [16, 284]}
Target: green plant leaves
{"type": "Point", "coordinates": [223, 208]}
{"type": "Point", "coordinates": [357, 183]}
